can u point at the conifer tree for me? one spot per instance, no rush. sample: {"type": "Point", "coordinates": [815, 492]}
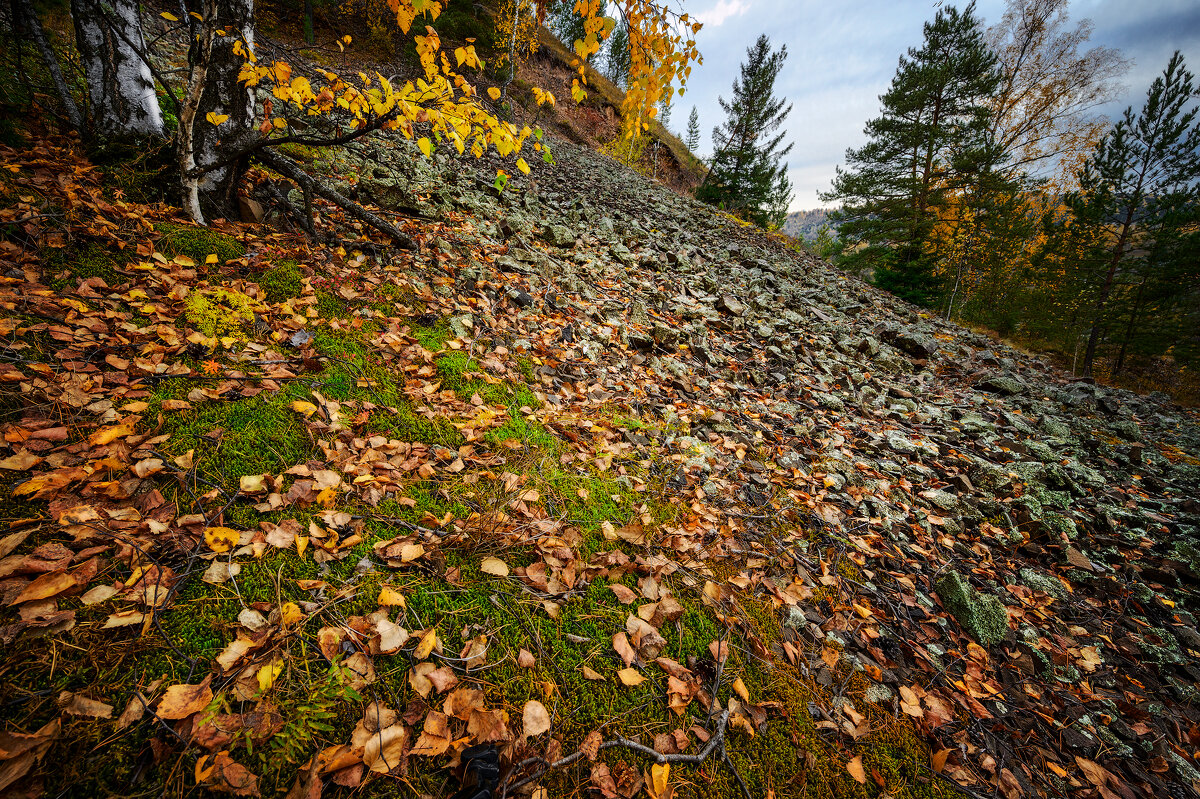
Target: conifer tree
{"type": "Point", "coordinates": [929, 146]}
{"type": "Point", "coordinates": [693, 131]}
{"type": "Point", "coordinates": [618, 60]}
{"type": "Point", "coordinates": [1140, 194]}
{"type": "Point", "coordinates": [748, 175]}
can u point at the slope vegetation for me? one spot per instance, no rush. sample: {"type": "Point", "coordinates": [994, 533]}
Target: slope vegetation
{"type": "Point", "coordinates": [598, 486]}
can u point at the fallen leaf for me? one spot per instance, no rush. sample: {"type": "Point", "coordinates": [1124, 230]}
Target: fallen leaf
{"type": "Point", "coordinates": [535, 720]}
{"type": "Point", "coordinates": [221, 539]}
{"type": "Point", "coordinates": [630, 677]}
{"type": "Point", "coordinates": [181, 701]}
{"type": "Point", "coordinates": [855, 767]}
{"type": "Point", "coordinates": [78, 705]}
{"type": "Point", "coordinates": [494, 566]}
{"type": "Point", "coordinates": [624, 594]}
{"type": "Point", "coordinates": [426, 645]}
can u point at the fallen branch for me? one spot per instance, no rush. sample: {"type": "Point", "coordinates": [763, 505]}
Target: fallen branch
{"type": "Point", "coordinates": [290, 169]}
{"type": "Point", "coordinates": [715, 743]}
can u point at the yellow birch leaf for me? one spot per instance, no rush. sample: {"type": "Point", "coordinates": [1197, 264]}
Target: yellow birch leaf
{"type": "Point", "coordinates": [659, 773]}
{"type": "Point", "coordinates": [630, 677]}
{"type": "Point", "coordinates": [167, 15]}
{"type": "Point", "coordinates": [306, 408]}
{"type": "Point", "coordinates": [267, 674]}
{"type": "Point", "coordinates": [428, 641]}
{"type": "Point", "coordinates": [221, 539]}
{"type": "Point", "coordinates": [425, 146]}
{"type": "Point", "coordinates": [521, 165]}
{"type": "Point", "coordinates": [216, 119]}
{"type": "Point", "coordinates": [493, 92]}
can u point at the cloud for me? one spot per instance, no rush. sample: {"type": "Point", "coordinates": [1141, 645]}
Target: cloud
{"type": "Point", "coordinates": [723, 10]}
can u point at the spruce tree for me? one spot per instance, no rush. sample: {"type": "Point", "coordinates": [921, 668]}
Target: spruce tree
{"type": "Point", "coordinates": [929, 146]}
{"type": "Point", "coordinates": [1140, 195]}
{"type": "Point", "coordinates": [748, 175]}
{"type": "Point", "coordinates": [693, 131]}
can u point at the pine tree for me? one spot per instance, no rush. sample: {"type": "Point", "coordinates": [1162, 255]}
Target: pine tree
{"type": "Point", "coordinates": [617, 60]}
{"type": "Point", "coordinates": [748, 175]}
{"type": "Point", "coordinates": [693, 131]}
{"type": "Point", "coordinates": [929, 146]}
{"type": "Point", "coordinates": [1140, 193]}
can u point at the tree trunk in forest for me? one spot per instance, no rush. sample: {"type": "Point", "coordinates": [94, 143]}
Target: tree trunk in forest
{"type": "Point", "coordinates": [1133, 314]}
{"type": "Point", "coordinates": [120, 85]}
{"type": "Point", "coordinates": [1106, 290]}
{"type": "Point", "coordinates": [23, 12]}
{"type": "Point", "coordinates": [210, 174]}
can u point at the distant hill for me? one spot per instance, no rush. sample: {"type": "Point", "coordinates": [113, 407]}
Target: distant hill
{"type": "Point", "coordinates": [805, 224]}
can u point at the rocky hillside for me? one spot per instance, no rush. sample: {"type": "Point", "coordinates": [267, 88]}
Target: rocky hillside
{"type": "Point", "coordinates": [805, 224]}
{"type": "Point", "coordinates": [598, 492]}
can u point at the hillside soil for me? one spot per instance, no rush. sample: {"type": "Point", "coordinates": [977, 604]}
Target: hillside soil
{"type": "Point", "coordinates": [597, 492]}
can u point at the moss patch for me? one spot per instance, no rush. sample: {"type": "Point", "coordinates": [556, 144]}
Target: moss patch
{"type": "Point", "coordinates": [981, 615]}
{"type": "Point", "coordinates": [197, 243]}
{"type": "Point", "coordinates": [66, 267]}
{"type": "Point", "coordinates": [281, 282]}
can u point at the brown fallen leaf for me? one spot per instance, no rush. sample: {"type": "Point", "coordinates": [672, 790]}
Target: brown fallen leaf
{"type": "Point", "coordinates": [223, 774]}
{"type": "Point", "coordinates": [22, 750]}
{"type": "Point", "coordinates": [937, 760]}
{"type": "Point", "coordinates": [494, 566]}
{"type": "Point", "coordinates": [591, 745]}
{"type": "Point", "coordinates": [855, 767]}
{"type": "Point", "coordinates": [181, 701]}
{"type": "Point", "coordinates": [621, 645]}
{"type": "Point", "coordinates": [46, 586]}
{"type": "Point", "coordinates": [525, 659]}
{"type": "Point", "coordinates": [624, 594]}
{"type": "Point", "coordinates": [78, 705]}
{"type": "Point", "coordinates": [535, 719]}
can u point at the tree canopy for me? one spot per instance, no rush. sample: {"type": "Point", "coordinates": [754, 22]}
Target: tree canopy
{"type": "Point", "coordinates": [748, 175]}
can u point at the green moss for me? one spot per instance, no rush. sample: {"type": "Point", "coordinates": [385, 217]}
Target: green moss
{"type": "Point", "coordinates": [433, 337]}
{"type": "Point", "coordinates": [981, 615]}
{"type": "Point", "coordinates": [330, 306]}
{"type": "Point", "coordinates": [66, 267]}
{"type": "Point", "coordinates": [219, 312]}
{"type": "Point", "coordinates": [281, 282]}
{"type": "Point", "coordinates": [197, 243]}
{"type": "Point", "coordinates": [235, 438]}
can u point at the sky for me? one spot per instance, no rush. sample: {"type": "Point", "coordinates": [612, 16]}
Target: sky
{"type": "Point", "coordinates": [842, 54]}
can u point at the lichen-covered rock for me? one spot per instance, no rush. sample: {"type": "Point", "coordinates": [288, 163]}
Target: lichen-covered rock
{"type": "Point", "coordinates": [999, 384]}
{"type": "Point", "coordinates": [981, 615]}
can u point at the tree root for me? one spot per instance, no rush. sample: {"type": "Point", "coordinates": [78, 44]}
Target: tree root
{"type": "Point", "coordinates": [715, 744]}
{"type": "Point", "coordinates": [290, 169]}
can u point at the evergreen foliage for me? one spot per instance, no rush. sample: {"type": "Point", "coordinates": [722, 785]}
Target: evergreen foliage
{"type": "Point", "coordinates": [617, 60]}
{"type": "Point", "coordinates": [748, 175]}
{"type": "Point", "coordinates": [693, 131]}
{"type": "Point", "coordinates": [930, 144]}
{"type": "Point", "coordinates": [1137, 208]}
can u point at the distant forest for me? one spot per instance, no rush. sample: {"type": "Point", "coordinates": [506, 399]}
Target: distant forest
{"type": "Point", "coordinates": [805, 224]}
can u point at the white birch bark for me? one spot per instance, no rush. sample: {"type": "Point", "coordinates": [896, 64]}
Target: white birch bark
{"type": "Point", "coordinates": [120, 86]}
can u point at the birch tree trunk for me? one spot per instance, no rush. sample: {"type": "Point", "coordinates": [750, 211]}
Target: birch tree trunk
{"type": "Point", "coordinates": [208, 152]}
{"type": "Point", "coordinates": [120, 86]}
